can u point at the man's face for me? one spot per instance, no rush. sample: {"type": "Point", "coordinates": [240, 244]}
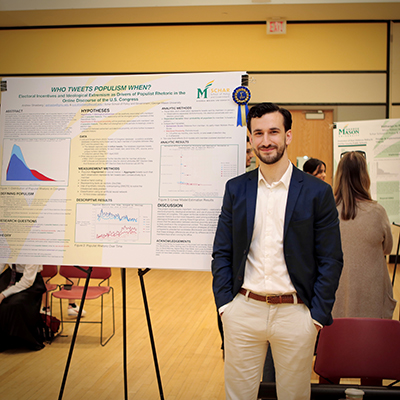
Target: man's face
{"type": "Point", "coordinates": [249, 154]}
{"type": "Point", "coordinates": [268, 137]}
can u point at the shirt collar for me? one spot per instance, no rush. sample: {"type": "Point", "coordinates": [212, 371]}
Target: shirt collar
{"type": "Point", "coordinates": [285, 179]}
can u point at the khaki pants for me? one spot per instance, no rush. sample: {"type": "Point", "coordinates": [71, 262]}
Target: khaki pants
{"type": "Point", "coordinates": [248, 326]}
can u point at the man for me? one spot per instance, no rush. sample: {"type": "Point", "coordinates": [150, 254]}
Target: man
{"type": "Point", "coordinates": [276, 265]}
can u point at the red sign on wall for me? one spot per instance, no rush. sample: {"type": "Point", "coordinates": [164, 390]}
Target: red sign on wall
{"type": "Point", "coordinates": [277, 27]}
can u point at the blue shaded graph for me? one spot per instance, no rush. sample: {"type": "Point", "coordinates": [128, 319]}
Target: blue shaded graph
{"type": "Point", "coordinates": [17, 169]}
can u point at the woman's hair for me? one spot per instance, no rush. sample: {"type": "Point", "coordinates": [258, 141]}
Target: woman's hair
{"type": "Point", "coordinates": [313, 164]}
{"type": "Point", "coordinates": [352, 183]}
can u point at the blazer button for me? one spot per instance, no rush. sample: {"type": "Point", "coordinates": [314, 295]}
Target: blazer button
{"type": "Point", "coordinates": [240, 278]}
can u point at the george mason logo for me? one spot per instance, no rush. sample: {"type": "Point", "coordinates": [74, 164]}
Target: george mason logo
{"type": "Point", "coordinates": [349, 131]}
{"type": "Point", "coordinates": [202, 94]}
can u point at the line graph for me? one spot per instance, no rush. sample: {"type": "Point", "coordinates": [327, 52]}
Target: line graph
{"type": "Point", "coordinates": [117, 232]}
{"type": "Point", "coordinates": [106, 216]}
{"type": "Point", "coordinates": [113, 223]}
{"type": "Point", "coordinates": [196, 170]}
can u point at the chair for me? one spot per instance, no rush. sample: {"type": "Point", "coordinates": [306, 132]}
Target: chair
{"type": "Point", "coordinates": [48, 272]}
{"type": "Point", "coordinates": [71, 292]}
{"type": "Point", "coordinates": [365, 348]}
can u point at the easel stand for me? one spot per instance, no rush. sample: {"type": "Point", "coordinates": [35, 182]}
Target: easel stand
{"type": "Point", "coordinates": [397, 256]}
{"type": "Point", "coordinates": [78, 319]}
{"type": "Point", "coordinates": [125, 348]}
{"type": "Point", "coordinates": [141, 273]}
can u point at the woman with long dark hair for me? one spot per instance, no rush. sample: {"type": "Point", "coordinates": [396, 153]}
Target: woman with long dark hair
{"type": "Point", "coordinates": [365, 289]}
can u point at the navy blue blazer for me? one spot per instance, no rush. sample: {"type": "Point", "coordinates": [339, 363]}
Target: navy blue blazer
{"type": "Point", "coordinates": [311, 242]}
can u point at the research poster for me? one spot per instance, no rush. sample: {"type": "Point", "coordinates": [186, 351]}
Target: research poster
{"type": "Point", "coordinates": [124, 171]}
{"type": "Point", "coordinates": [379, 142]}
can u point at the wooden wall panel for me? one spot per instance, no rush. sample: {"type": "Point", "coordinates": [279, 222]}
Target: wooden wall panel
{"type": "Point", "coordinates": [313, 138]}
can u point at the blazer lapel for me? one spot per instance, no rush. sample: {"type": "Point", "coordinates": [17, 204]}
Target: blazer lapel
{"type": "Point", "coordinates": [296, 183]}
{"type": "Point", "coordinates": [251, 199]}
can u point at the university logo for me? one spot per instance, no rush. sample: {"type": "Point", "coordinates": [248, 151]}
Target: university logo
{"type": "Point", "coordinates": [202, 94]}
{"type": "Point", "coordinates": [349, 131]}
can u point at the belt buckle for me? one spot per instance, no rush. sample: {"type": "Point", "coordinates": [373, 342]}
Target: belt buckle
{"type": "Point", "coordinates": [269, 299]}
{"type": "Point", "coordinates": [279, 297]}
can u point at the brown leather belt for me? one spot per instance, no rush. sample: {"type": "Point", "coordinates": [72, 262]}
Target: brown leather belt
{"type": "Point", "coordinates": [278, 299]}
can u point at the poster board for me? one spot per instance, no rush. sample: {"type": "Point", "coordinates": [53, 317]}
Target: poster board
{"type": "Point", "coordinates": [379, 141]}
{"type": "Point", "coordinates": [125, 171]}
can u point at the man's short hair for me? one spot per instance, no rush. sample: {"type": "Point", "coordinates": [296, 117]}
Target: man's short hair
{"type": "Point", "coordinates": [259, 110]}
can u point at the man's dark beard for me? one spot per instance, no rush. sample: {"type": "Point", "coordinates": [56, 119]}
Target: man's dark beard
{"type": "Point", "coordinates": [266, 159]}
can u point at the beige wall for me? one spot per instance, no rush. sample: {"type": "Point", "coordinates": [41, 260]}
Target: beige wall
{"type": "Point", "coordinates": [319, 88]}
{"type": "Point", "coordinates": [395, 112]}
{"type": "Point", "coordinates": [395, 71]}
{"type": "Point", "coordinates": [316, 47]}
{"type": "Point", "coordinates": [337, 47]}
{"type": "Point", "coordinates": [305, 47]}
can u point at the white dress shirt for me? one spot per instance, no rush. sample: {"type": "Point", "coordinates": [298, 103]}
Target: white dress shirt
{"type": "Point", "coordinates": [29, 272]}
{"type": "Point", "coordinates": [266, 271]}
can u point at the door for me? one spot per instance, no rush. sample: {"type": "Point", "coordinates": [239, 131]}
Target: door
{"type": "Point", "coordinates": [313, 138]}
